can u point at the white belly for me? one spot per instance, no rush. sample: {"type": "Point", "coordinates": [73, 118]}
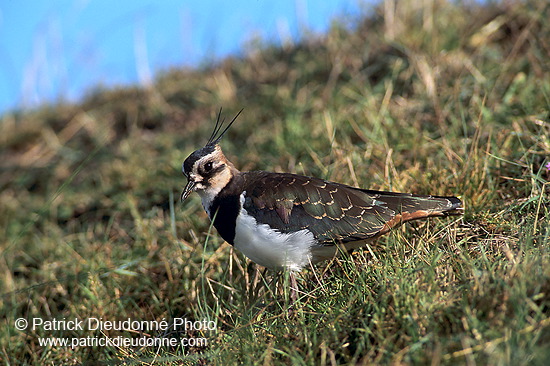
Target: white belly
{"type": "Point", "coordinates": [271, 248]}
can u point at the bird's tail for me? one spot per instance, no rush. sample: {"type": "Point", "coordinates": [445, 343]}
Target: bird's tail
{"type": "Point", "coordinates": [409, 206]}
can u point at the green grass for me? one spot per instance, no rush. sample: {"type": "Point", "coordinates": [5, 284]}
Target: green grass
{"type": "Point", "coordinates": [444, 99]}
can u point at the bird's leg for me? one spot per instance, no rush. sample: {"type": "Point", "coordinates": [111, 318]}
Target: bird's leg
{"type": "Point", "coordinates": [293, 288]}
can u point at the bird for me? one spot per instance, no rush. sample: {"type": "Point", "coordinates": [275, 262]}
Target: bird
{"type": "Point", "coordinates": [285, 221]}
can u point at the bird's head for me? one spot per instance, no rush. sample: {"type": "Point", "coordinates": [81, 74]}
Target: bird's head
{"type": "Point", "coordinates": [207, 169]}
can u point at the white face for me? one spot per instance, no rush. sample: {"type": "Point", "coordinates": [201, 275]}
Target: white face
{"type": "Point", "coordinates": [207, 171]}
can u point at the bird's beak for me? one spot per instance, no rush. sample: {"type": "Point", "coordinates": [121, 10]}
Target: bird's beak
{"type": "Point", "coordinates": [187, 190]}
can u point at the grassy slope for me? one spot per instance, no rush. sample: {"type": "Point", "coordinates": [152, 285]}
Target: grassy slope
{"type": "Point", "coordinates": [444, 100]}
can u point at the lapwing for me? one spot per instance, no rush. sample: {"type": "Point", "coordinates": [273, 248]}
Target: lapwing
{"type": "Point", "coordinates": [289, 221]}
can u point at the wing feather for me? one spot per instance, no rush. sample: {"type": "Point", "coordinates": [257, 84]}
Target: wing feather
{"type": "Point", "coordinates": [334, 213]}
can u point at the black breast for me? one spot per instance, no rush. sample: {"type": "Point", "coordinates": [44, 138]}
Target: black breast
{"type": "Point", "coordinates": [225, 209]}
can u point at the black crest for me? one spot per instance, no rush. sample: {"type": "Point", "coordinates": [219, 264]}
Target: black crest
{"type": "Point", "coordinates": [214, 139]}
{"type": "Point", "coordinates": [216, 136]}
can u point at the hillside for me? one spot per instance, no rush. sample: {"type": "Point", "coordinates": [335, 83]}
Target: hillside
{"type": "Point", "coordinates": [446, 99]}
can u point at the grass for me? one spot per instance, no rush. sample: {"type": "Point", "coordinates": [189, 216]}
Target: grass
{"type": "Point", "coordinates": [447, 99]}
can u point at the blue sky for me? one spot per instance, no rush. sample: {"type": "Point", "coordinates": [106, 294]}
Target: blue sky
{"type": "Point", "coordinates": [58, 49]}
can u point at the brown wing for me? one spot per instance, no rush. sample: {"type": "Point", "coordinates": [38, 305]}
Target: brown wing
{"type": "Point", "coordinates": [334, 213]}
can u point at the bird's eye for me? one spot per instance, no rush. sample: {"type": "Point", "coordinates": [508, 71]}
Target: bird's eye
{"type": "Point", "coordinates": [208, 166]}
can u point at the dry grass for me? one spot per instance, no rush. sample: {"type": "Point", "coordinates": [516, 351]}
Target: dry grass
{"type": "Point", "coordinates": [440, 98]}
